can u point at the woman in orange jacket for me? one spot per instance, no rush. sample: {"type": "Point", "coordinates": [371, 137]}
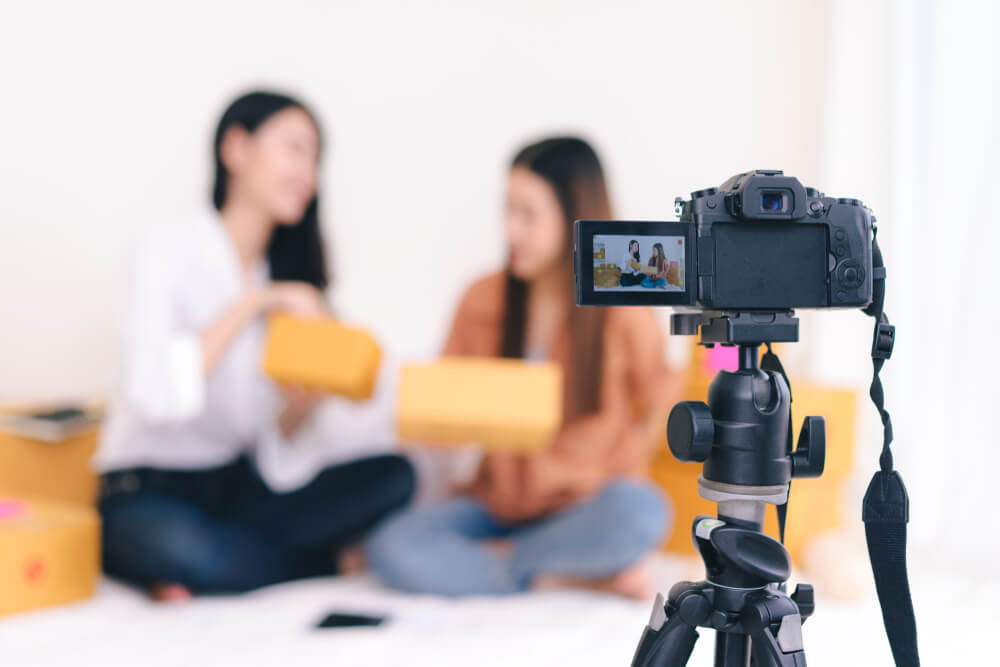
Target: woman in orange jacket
{"type": "Point", "coordinates": [581, 513]}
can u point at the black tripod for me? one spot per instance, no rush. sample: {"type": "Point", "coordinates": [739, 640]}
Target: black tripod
{"type": "Point", "coordinates": [743, 435]}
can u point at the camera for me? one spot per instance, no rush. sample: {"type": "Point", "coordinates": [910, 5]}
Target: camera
{"type": "Point", "coordinates": [760, 241]}
{"type": "Point", "coordinates": [738, 262]}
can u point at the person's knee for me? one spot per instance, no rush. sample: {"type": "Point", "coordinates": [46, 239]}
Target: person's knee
{"type": "Point", "coordinates": [393, 551]}
{"type": "Point", "coordinates": [639, 509]}
{"type": "Point", "coordinates": [150, 543]}
{"type": "Point", "coordinates": [401, 478]}
{"type": "Point", "coordinates": [393, 479]}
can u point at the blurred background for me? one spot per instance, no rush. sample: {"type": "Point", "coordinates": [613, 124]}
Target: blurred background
{"type": "Point", "coordinates": [108, 109]}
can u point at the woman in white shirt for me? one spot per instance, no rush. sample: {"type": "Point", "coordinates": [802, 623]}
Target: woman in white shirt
{"type": "Point", "coordinates": [198, 490]}
{"type": "Point", "coordinates": [631, 266]}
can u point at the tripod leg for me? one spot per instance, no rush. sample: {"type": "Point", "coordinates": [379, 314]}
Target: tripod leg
{"type": "Point", "coordinates": [731, 650]}
{"type": "Point", "coordinates": [665, 642]}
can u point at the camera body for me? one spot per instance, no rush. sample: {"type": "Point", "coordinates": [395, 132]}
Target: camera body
{"type": "Point", "coordinates": [760, 241]}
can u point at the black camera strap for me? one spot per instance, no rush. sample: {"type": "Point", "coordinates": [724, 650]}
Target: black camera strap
{"type": "Point", "coordinates": [886, 507]}
{"type": "Point", "coordinates": [770, 362]}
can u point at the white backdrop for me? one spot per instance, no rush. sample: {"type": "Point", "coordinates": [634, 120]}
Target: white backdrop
{"type": "Point", "coordinates": [108, 108]}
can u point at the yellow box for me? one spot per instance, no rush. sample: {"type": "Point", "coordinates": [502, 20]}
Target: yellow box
{"type": "Point", "coordinates": [499, 403]}
{"type": "Point", "coordinates": [49, 553]}
{"type": "Point", "coordinates": [55, 470]}
{"type": "Point", "coordinates": [322, 354]}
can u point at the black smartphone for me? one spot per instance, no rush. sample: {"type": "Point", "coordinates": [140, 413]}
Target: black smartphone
{"type": "Point", "coordinates": [342, 620]}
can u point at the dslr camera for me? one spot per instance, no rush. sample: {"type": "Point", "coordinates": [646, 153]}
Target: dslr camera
{"type": "Point", "coordinates": [737, 263]}
{"type": "Point", "coordinates": [758, 242]}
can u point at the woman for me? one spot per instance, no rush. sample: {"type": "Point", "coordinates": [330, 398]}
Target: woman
{"type": "Point", "coordinates": [188, 500]}
{"type": "Point", "coordinates": [580, 514]}
{"type": "Point", "coordinates": [631, 266]}
{"type": "Point", "coordinates": [659, 262]}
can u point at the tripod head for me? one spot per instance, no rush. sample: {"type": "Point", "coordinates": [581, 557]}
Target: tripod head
{"type": "Point", "coordinates": [743, 437]}
{"type": "Point", "coordinates": [743, 433]}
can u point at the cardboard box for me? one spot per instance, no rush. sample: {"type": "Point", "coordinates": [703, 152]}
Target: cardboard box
{"type": "Point", "coordinates": [322, 354]}
{"type": "Point", "coordinates": [497, 403]}
{"type": "Point", "coordinates": [55, 470]}
{"type": "Point", "coordinates": [49, 553]}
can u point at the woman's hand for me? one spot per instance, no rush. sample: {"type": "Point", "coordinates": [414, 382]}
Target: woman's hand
{"type": "Point", "coordinates": [299, 405]}
{"type": "Point", "coordinates": [295, 298]}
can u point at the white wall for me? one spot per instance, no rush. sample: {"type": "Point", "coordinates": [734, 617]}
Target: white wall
{"type": "Point", "coordinates": [107, 110]}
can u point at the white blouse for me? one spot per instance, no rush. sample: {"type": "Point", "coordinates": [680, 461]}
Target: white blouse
{"type": "Point", "coordinates": [627, 260]}
{"type": "Point", "coordinates": [167, 413]}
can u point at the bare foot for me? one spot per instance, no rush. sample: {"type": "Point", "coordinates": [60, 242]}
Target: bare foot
{"type": "Point", "coordinates": [351, 560]}
{"type": "Point", "coordinates": [633, 582]}
{"type": "Point", "coordinates": [170, 593]}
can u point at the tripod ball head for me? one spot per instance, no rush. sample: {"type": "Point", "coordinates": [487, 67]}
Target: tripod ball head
{"type": "Point", "coordinates": [691, 431]}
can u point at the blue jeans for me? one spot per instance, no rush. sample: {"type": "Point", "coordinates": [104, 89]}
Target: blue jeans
{"type": "Point", "coordinates": [223, 530]}
{"type": "Point", "coordinates": [440, 549]}
{"type": "Point", "coordinates": [649, 282]}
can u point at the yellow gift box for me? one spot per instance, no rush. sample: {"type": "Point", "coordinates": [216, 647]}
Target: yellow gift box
{"type": "Point", "coordinates": [49, 553]}
{"type": "Point", "coordinates": [498, 403]}
{"type": "Point", "coordinates": [322, 354]}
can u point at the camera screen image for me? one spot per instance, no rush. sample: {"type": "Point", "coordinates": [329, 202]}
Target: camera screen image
{"type": "Point", "coordinates": [638, 263]}
{"type": "Point", "coordinates": [631, 263]}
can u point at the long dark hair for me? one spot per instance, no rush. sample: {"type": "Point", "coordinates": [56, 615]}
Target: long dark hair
{"type": "Point", "coordinates": [571, 166]}
{"type": "Point", "coordinates": [660, 258]}
{"type": "Point", "coordinates": [295, 252]}
{"type": "Point", "coordinates": [635, 254]}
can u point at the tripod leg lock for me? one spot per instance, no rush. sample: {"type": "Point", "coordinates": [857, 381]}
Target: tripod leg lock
{"type": "Point", "coordinates": [669, 637]}
{"type": "Point", "coordinates": [775, 629]}
{"type": "Point", "coordinates": [805, 599]}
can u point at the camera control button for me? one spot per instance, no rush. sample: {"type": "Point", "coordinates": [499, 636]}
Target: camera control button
{"type": "Point", "coordinates": [840, 250]}
{"type": "Point", "coordinates": [850, 274]}
{"type": "Point", "coordinates": [840, 235]}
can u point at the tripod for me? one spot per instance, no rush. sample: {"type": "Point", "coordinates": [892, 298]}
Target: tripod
{"type": "Point", "coordinates": [743, 436]}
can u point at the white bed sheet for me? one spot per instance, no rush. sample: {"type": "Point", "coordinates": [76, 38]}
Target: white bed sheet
{"type": "Point", "coordinates": [120, 627]}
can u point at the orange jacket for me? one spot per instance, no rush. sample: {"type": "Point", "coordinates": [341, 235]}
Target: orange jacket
{"type": "Point", "coordinates": [590, 450]}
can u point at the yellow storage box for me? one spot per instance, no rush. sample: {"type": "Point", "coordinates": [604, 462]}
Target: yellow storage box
{"type": "Point", "coordinates": [60, 471]}
{"type": "Point", "coordinates": [49, 553]}
{"type": "Point", "coordinates": [322, 354]}
{"type": "Point", "coordinates": [497, 403]}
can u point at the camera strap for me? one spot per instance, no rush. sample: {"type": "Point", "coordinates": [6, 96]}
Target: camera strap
{"type": "Point", "coordinates": [886, 507]}
{"type": "Point", "coordinates": [770, 362]}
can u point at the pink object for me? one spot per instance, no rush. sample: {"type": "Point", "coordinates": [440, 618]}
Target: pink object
{"type": "Point", "coordinates": [12, 509]}
{"type": "Point", "coordinates": [721, 358]}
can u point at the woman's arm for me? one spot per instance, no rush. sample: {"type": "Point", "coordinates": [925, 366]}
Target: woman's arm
{"type": "Point", "coordinates": [301, 299]}
{"type": "Point", "coordinates": [299, 405]}
{"type": "Point", "coordinates": [637, 390]}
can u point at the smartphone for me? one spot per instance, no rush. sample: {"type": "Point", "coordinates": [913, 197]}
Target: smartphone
{"type": "Point", "coordinates": [343, 620]}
